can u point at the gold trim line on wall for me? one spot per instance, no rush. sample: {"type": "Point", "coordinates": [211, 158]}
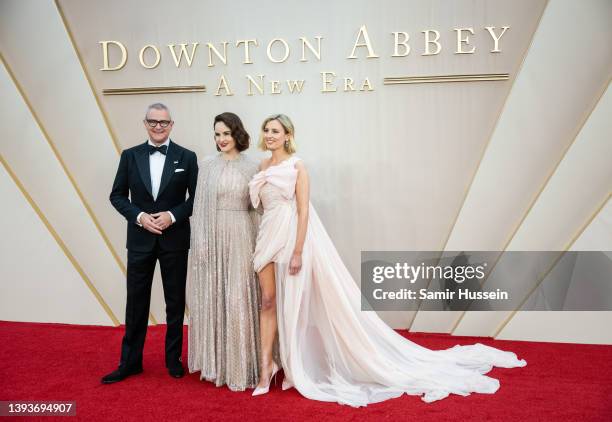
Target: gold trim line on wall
{"type": "Point", "coordinates": [486, 147]}
{"type": "Point", "coordinates": [541, 279]}
{"type": "Point", "coordinates": [154, 90]}
{"type": "Point", "coordinates": [70, 177]}
{"type": "Point", "coordinates": [478, 77]}
{"type": "Point", "coordinates": [55, 235]}
{"type": "Point", "coordinates": [96, 96]}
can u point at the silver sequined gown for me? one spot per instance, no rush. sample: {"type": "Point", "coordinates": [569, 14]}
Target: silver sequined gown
{"type": "Point", "coordinates": [222, 289]}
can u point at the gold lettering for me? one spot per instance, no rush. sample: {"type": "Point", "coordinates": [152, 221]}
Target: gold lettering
{"type": "Point", "coordinates": [429, 41]}
{"type": "Point", "coordinates": [367, 83]}
{"type": "Point", "coordinates": [397, 44]}
{"type": "Point", "coordinates": [296, 85]}
{"type": "Point", "coordinates": [123, 61]}
{"type": "Point", "coordinates": [157, 57]}
{"type": "Point", "coordinates": [363, 31]}
{"type": "Point", "coordinates": [189, 59]}
{"type": "Point", "coordinates": [275, 85]}
{"type": "Point", "coordinates": [348, 84]}
{"type": "Point", "coordinates": [212, 49]}
{"type": "Point", "coordinates": [269, 51]}
{"type": "Point", "coordinates": [466, 40]}
{"type": "Point", "coordinates": [491, 30]}
{"type": "Point", "coordinates": [223, 85]}
{"type": "Point", "coordinates": [327, 82]}
{"type": "Point", "coordinates": [252, 82]}
{"type": "Point", "coordinates": [305, 43]}
{"type": "Point", "coordinates": [247, 52]}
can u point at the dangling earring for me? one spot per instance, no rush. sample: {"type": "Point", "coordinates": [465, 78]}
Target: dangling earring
{"type": "Point", "coordinates": [286, 143]}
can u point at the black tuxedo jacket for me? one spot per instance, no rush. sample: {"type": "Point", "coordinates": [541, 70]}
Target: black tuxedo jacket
{"type": "Point", "coordinates": [131, 194]}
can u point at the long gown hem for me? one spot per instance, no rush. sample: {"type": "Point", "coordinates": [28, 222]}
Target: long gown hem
{"type": "Point", "coordinates": [330, 349]}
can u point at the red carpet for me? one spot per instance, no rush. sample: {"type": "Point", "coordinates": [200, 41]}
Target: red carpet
{"type": "Point", "coordinates": [63, 362]}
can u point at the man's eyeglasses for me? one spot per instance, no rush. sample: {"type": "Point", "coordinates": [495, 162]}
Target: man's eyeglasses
{"type": "Point", "coordinates": [162, 123]}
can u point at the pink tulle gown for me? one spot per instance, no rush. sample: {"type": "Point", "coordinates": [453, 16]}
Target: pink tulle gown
{"type": "Point", "coordinates": [330, 349]}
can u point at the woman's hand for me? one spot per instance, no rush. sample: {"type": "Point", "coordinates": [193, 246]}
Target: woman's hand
{"type": "Point", "coordinates": [295, 264]}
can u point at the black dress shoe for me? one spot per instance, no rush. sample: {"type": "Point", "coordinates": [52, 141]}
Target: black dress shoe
{"type": "Point", "coordinates": [176, 371]}
{"type": "Point", "coordinates": [120, 374]}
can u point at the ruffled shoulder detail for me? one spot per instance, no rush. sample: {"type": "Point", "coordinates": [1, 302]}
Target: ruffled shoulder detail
{"type": "Point", "coordinates": [283, 176]}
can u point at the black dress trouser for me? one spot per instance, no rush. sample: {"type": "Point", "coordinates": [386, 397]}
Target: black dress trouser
{"type": "Point", "coordinates": [140, 269]}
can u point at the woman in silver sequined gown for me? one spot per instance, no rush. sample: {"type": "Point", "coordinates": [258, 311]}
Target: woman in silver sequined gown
{"type": "Point", "coordinates": [222, 288]}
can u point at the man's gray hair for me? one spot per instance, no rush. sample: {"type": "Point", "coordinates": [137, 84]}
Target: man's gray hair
{"type": "Point", "coordinates": [158, 106]}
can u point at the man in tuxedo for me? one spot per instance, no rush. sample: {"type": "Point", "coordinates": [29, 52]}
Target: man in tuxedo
{"type": "Point", "coordinates": [150, 192]}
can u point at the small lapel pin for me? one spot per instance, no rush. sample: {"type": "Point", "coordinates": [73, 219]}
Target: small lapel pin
{"type": "Point", "coordinates": [176, 162]}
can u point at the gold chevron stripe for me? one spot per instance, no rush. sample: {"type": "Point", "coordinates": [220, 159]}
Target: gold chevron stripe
{"type": "Point", "coordinates": [539, 193]}
{"type": "Point", "coordinates": [65, 169]}
{"type": "Point", "coordinates": [60, 242]}
{"type": "Point", "coordinates": [561, 254]}
{"type": "Point", "coordinates": [86, 73]}
{"type": "Point", "coordinates": [484, 150]}
{"type": "Point", "coordinates": [554, 170]}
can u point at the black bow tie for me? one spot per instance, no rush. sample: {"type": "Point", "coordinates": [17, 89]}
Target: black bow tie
{"type": "Point", "coordinates": [163, 149]}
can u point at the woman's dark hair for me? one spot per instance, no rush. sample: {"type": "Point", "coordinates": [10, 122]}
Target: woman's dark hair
{"type": "Point", "coordinates": [239, 133]}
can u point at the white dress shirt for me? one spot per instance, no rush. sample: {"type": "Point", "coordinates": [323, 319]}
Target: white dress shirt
{"type": "Point", "coordinates": [156, 166]}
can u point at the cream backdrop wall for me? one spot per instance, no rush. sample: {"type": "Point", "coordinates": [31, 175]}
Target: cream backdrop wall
{"type": "Point", "coordinates": [512, 164]}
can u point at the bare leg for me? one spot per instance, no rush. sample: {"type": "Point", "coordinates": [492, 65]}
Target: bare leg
{"type": "Point", "coordinates": [267, 321]}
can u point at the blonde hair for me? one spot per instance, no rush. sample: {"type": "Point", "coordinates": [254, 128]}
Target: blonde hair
{"type": "Point", "coordinates": [287, 125]}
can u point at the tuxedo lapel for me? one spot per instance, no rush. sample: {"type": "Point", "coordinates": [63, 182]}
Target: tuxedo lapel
{"type": "Point", "coordinates": [142, 161]}
{"type": "Point", "coordinates": [169, 166]}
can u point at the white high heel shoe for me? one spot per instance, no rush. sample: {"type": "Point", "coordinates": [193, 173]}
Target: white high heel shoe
{"type": "Point", "coordinates": [286, 384]}
{"type": "Point", "coordinates": [264, 390]}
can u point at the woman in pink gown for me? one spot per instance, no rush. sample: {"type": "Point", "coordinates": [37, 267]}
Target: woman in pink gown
{"type": "Point", "coordinates": [331, 350]}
